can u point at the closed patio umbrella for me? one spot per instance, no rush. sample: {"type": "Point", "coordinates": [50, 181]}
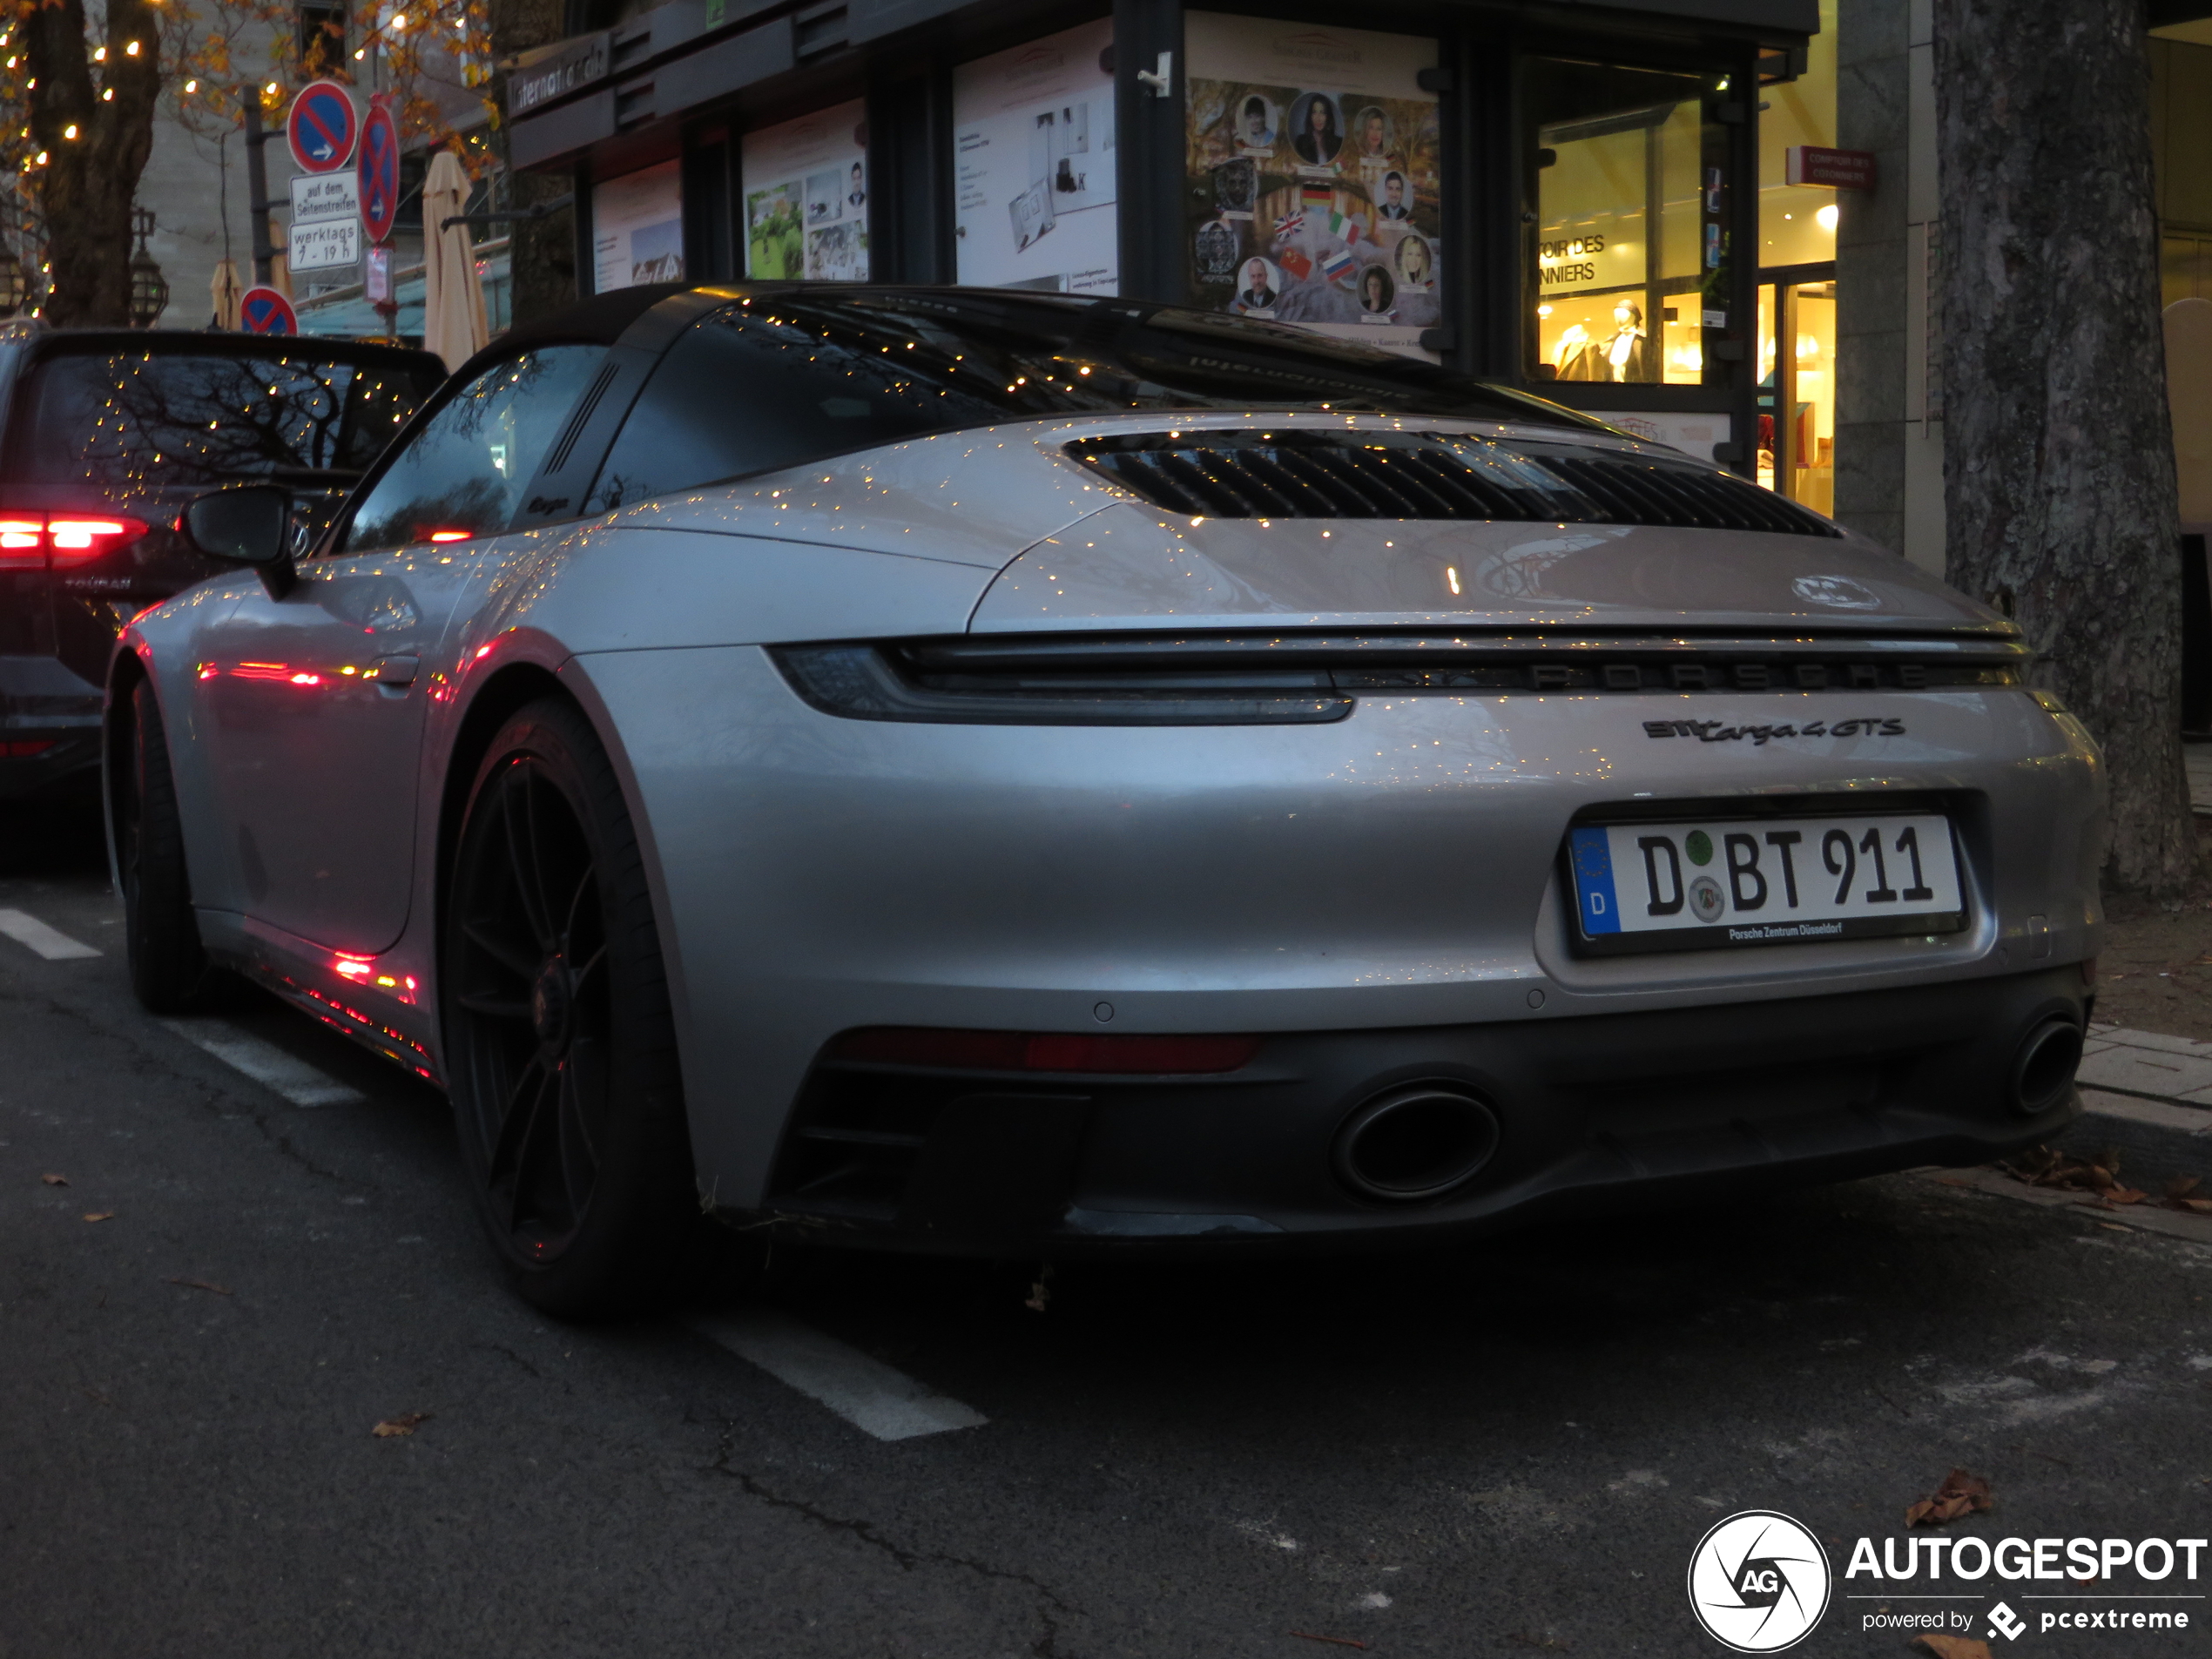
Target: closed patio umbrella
{"type": "Point", "coordinates": [225, 292]}
{"type": "Point", "coordinates": [454, 325]}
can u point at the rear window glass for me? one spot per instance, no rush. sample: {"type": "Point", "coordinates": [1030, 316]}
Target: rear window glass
{"type": "Point", "coordinates": [125, 422]}
{"type": "Point", "coordinates": [781, 380]}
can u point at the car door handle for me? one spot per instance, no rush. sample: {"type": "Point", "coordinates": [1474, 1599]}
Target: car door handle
{"type": "Point", "coordinates": [394, 671]}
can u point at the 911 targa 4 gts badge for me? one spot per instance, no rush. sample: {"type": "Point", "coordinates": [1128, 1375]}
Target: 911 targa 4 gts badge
{"type": "Point", "coordinates": [1714, 732]}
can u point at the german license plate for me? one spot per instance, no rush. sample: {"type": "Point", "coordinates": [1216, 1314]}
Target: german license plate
{"type": "Point", "coordinates": [1767, 881]}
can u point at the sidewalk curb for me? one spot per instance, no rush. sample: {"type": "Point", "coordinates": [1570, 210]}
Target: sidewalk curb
{"type": "Point", "coordinates": [2157, 1140]}
{"type": "Point", "coordinates": [2133, 1217]}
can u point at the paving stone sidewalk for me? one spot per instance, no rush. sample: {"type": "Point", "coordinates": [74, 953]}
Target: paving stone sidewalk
{"type": "Point", "coordinates": [2151, 1095]}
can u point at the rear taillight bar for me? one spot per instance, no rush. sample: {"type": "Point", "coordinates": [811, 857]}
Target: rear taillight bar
{"type": "Point", "coordinates": [38, 541]}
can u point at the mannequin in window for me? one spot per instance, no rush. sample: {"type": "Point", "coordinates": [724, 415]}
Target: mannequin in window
{"type": "Point", "coordinates": [1628, 356]}
{"type": "Point", "coordinates": [1578, 355]}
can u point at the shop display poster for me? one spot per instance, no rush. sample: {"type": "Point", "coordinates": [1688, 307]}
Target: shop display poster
{"type": "Point", "coordinates": [637, 228]}
{"type": "Point", "coordinates": [1313, 162]}
{"type": "Point", "coordinates": [806, 186]}
{"type": "Point", "coordinates": [1033, 139]}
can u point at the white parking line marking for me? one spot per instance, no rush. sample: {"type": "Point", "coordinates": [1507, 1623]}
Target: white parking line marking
{"type": "Point", "coordinates": [865, 1393]}
{"type": "Point", "coordinates": [264, 1063]}
{"type": "Point", "coordinates": [50, 943]}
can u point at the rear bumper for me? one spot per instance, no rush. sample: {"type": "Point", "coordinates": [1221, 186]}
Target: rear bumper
{"type": "Point", "coordinates": [67, 768]}
{"type": "Point", "coordinates": [51, 711]}
{"type": "Point", "coordinates": [1599, 1113]}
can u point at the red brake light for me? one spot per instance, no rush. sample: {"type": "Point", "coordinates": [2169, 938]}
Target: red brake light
{"type": "Point", "coordinates": [29, 541]}
{"type": "Point", "coordinates": [451, 536]}
{"type": "Point", "coordinates": [23, 543]}
{"type": "Point", "coordinates": [1042, 1050]}
{"type": "Point", "coordinates": [77, 539]}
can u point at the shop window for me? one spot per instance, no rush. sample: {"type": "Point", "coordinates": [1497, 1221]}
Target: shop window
{"type": "Point", "coordinates": [1628, 254]}
{"type": "Point", "coordinates": [805, 190]}
{"type": "Point", "coordinates": [2185, 267]}
{"type": "Point", "coordinates": [1033, 145]}
{"type": "Point", "coordinates": [1797, 222]}
{"type": "Point", "coordinates": [1797, 391]}
{"type": "Point", "coordinates": [637, 228]}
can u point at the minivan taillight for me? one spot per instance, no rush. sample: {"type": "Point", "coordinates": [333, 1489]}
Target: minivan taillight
{"type": "Point", "coordinates": [33, 541]}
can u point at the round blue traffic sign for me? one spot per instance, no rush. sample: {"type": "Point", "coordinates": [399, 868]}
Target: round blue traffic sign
{"type": "Point", "coordinates": [321, 127]}
{"type": "Point", "coordinates": [379, 171]}
{"type": "Point", "coordinates": [264, 311]}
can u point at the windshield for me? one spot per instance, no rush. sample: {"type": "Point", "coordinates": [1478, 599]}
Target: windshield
{"type": "Point", "coordinates": [781, 379]}
{"type": "Point", "coordinates": [125, 423]}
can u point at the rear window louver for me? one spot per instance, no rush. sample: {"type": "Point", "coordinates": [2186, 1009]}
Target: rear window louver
{"type": "Point", "coordinates": [1372, 474]}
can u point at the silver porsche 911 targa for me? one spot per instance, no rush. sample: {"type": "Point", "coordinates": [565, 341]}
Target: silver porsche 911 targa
{"type": "Point", "coordinates": [994, 772]}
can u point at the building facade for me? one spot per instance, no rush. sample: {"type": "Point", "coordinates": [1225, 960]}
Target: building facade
{"type": "Point", "coordinates": [1569, 196]}
{"type": "Point", "coordinates": [1889, 387]}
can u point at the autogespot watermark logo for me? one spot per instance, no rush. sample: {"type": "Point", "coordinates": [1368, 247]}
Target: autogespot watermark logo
{"type": "Point", "coordinates": [1758, 1581]}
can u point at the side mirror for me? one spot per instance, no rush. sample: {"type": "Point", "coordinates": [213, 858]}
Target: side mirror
{"type": "Point", "coordinates": [250, 524]}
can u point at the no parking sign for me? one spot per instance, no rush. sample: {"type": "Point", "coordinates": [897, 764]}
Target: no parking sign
{"type": "Point", "coordinates": [321, 127]}
{"type": "Point", "coordinates": [264, 311]}
{"type": "Point", "coordinates": [378, 170]}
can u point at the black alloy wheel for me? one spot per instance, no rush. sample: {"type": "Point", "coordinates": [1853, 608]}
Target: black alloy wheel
{"type": "Point", "coordinates": [169, 968]}
{"type": "Point", "coordinates": [560, 1050]}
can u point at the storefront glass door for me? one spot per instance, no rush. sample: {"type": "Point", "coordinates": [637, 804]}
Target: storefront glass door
{"type": "Point", "coordinates": [1797, 390]}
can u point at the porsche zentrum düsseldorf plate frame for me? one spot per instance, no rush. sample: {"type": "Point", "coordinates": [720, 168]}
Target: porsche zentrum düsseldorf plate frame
{"type": "Point", "coordinates": [1721, 883]}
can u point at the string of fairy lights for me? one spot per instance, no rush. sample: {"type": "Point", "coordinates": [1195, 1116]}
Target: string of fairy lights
{"type": "Point", "coordinates": [206, 52]}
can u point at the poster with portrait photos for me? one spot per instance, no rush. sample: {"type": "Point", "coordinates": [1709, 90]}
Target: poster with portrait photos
{"type": "Point", "coordinates": [805, 190]}
{"type": "Point", "coordinates": [1313, 161]}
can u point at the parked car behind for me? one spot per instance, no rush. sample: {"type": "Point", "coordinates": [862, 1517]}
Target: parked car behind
{"type": "Point", "coordinates": [103, 435]}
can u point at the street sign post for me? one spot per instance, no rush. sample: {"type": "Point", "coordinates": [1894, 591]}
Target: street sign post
{"type": "Point", "coordinates": [325, 244]}
{"type": "Point", "coordinates": [321, 127]}
{"type": "Point", "coordinates": [324, 195]}
{"type": "Point", "coordinates": [377, 285]}
{"type": "Point", "coordinates": [378, 172]}
{"type": "Point", "coordinates": [264, 311]}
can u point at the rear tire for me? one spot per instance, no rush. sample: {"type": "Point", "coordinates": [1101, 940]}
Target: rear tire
{"type": "Point", "coordinates": [560, 1046]}
{"type": "Point", "coordinates": [168, 964]}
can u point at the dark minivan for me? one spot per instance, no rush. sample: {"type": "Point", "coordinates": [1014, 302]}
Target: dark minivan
{"type": "Point", "coordinates": [103, 437]}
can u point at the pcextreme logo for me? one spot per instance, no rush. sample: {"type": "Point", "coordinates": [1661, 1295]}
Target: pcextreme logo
{"type": "Point", "coordinates": [1758, 1581]}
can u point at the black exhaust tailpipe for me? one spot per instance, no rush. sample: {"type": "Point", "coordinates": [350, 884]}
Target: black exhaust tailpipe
{"type": "Point", "coordinates": [2044, 1066]}
{"type": "Point", "coordinates": [1416, 1142]}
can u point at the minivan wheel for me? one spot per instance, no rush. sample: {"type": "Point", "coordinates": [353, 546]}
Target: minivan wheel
{"type": "Point", "coordinates": [161, 935]}
{"type": "Point", "coordinates": [560, 1048]}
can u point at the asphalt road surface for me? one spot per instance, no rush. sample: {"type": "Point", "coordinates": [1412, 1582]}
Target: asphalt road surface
{"type": "Point", "coordinates": [1509, 1448]}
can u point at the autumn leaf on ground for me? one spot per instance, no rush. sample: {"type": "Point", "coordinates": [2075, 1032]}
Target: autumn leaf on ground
{"type": "Point", "coordinates": [1952, 1646]}
{"type": "Point", "coordinates": [404, 1424]}
{"type": "Point", "coordinates": [55, 1180]}
{"type": "Point", "coordinates": [99, 1214]}
{"type": "Point", "coordinates": [1961, 1493]}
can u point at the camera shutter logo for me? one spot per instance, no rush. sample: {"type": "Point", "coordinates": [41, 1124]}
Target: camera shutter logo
{"type": "Point", "coordinates": [1758, 1581]}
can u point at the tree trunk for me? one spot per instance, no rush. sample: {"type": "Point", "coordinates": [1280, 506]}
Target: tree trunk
{"type": "Point", "coordinates": [542, 255]}
{"type": "Point", "coordinates": [2058, 460]}
{"type": "Point", "coordinates": [96, 147]}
